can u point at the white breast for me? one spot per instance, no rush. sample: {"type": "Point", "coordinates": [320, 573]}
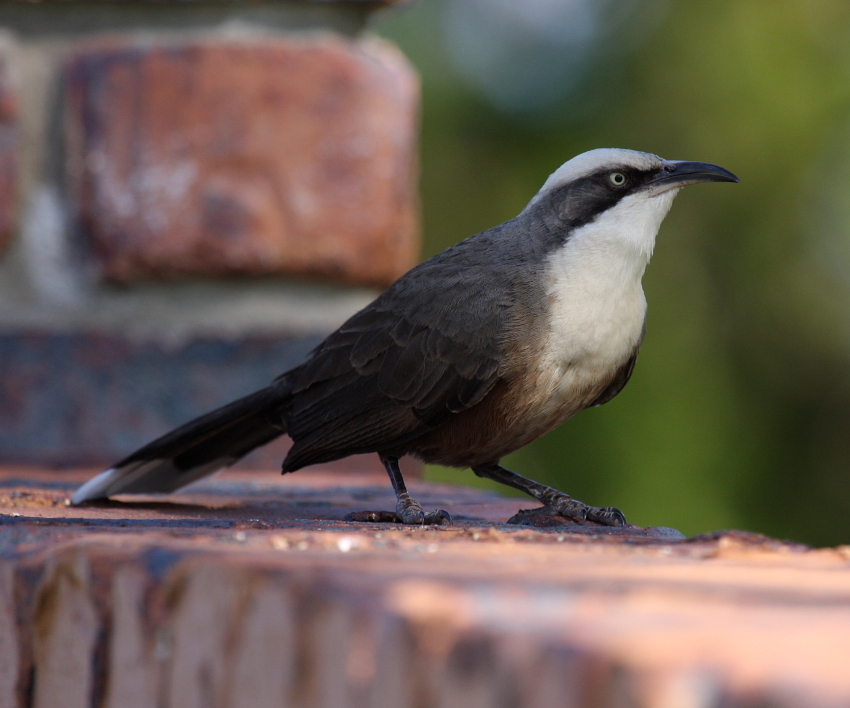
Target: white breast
{"type": "Point", "coordinates": [597, 306]}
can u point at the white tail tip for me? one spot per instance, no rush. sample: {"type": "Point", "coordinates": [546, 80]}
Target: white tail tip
{"type": "Point", "coordinates": [95, 488]}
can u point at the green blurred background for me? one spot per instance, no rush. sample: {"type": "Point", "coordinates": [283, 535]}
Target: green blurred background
{"type": "Point", "coordinates": [738, 414]}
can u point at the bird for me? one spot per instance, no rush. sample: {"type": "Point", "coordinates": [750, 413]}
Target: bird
{"type": "Point", "coordinates": [467, 357]}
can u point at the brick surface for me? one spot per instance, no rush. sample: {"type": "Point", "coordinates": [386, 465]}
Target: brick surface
{"type": "Point", "coordinates": [253, 591]}
{"type": "Point", "coordinates": [87, 398]}
{"type": "Point", "coordinates": [9, 153]}
{"type": "Point", "coordinates": [374, 3]}
{"type": "Point", "coordinates": [91, 398]}
{"type": "Point", "coordinates": [269, 156]}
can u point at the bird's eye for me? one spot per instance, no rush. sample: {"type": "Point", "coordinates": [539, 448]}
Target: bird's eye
{"type": "Point", "coordinates": [618, 179]}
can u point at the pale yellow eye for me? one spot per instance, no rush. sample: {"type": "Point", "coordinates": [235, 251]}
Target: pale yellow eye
{"type": "Point", "coordinates": [618, 179]}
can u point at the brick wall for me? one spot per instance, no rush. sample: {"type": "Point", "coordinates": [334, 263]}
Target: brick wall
{"type": "Point", "coordinates": [252, 591]}
{"type": "Point", "coordinates": [189, 197]}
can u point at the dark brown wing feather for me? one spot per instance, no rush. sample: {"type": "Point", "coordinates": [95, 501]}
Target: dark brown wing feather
{"type": "Point", "coordinates": [430, 346]}
{"type": "Point", "coordinates": [385, 378]}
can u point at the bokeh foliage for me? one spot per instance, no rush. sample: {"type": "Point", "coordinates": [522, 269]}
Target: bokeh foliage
{"type": "Point", "coordinates": [738, 414]}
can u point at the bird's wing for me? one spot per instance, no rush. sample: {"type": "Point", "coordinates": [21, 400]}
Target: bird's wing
{"type": "Point", "coordinates": [395, 370]}
{"type": "Point", "coordinates": [621, 376]}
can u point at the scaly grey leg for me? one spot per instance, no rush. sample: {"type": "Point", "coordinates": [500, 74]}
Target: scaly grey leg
{"type": "Point", "coordinates": [408, 510]}
{"type": "Point", "coordinates": [552, 499]}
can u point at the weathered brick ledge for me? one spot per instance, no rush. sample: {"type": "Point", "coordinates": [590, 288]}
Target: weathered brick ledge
{"type": "Point", "coordinates": [251, 591]}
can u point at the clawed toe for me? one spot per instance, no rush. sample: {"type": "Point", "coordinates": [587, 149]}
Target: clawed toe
{"type": "Point", "coordinates": [411, 515]}
{"type": "Point", "coordinates": [374, 517]}
{"type": "Point", "coordinates": [609, 515]}
{"type": "Point", "coordinates": [553, 514]}
{"type": "Point", "coordinates": [409, 510]}
{"type": "Point", "coordinates": [438, 517]}
{"type": "Point", "coordinates": [579, 512]}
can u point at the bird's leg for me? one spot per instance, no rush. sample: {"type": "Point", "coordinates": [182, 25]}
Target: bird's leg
{"type": "Point", "coordinates": [552, 499]}
{"type": "Point", "coordinates": [408, 510]}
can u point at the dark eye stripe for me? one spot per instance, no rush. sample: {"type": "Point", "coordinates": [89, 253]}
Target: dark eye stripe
{"type": "Point", "coordinates": [580, 201]}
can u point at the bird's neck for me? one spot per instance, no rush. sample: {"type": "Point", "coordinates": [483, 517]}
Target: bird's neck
{"type": "Point", "coordinates": [593, 282]}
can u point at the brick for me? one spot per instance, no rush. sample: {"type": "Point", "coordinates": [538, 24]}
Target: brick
{"type": "Point", "coordinates": [264, 662]}
{"type": "Point", "coordinates": [287, 156]}
{"type": "Point", "coordinates": [94, 398]}
{"type": "Point", "coordinates": [246, 605]}
{"type": "Point", "coordinates": [132, 668]}
{"type": "Point", "coordinates": [9, 651]}
{"type": "Point", "coordinates": [90, 398]}
{"type": "Point", "coordinates": [65, 630]}
{"type": "Point", "coordinates": [206, 602]}
{"type": "Point", "coordinates": [185, 2]}
{"type": "Point", "coordinates": [9, 153]}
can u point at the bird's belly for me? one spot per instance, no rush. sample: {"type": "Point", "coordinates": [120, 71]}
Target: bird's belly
{"type": "Point", "coordinates": [513, 415]}
{"type": "Point", "coordinates": [510, 417]}
{"type": "Point", "coordinates": [572, 364]}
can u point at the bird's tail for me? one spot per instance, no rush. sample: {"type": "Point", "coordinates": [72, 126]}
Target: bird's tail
{"type": "Point", "coordinates": [196, 449]}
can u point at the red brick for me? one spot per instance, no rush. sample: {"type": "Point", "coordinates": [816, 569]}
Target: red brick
{"type": "Point", "coordinates": [377, 3]}
{"type": "Point", "coordinates": [9, 640]}
{"type": "Point", "coordinates": [64, 635]}
{"type": "Point", "coordinates": [9, 153]}
{"type": "Point", "coordinates": [236, 594]}
{"type": "Point", "coordinates": [94, 397]}
{"type": "Point", "coordinates": [273, 156]}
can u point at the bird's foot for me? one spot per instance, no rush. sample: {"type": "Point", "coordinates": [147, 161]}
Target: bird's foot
{"type": "Point", "coordinates": [564, 505]}
{"type": "Point", "coordinates": [439, 517]}
{"type": "Point", "coordinates": [373, 517]}
{"type": "Point", "coordinates": [408, 511]}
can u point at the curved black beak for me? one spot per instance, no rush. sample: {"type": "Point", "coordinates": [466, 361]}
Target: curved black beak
{"type": "Point", "coordinates": [679, 173]}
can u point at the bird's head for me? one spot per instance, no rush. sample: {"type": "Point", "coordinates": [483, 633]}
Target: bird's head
{"type": "Point", "coordinates": [625, 192]}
